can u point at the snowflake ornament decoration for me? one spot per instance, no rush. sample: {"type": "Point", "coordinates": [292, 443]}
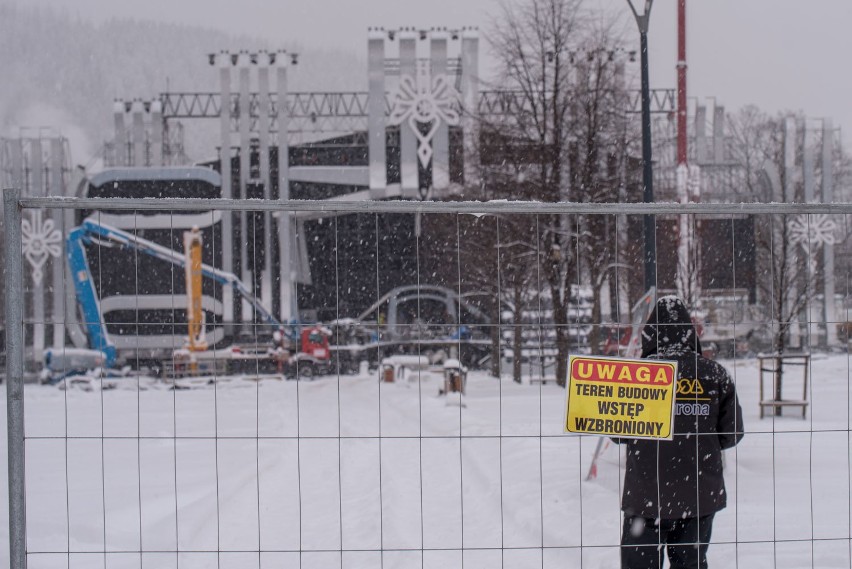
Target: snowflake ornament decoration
{"type": "Point", "coordinates": [39, 239]}
{"type": "Point", "coordinates": [811, 233]}
{"type": "Point", "coordinates": [425, 100]}
{"type": "Point", "coordinates": [815, 230]}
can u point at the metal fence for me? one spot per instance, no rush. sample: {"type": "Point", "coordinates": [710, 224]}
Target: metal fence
{"type": "Point", "coordinates": [379, 461]}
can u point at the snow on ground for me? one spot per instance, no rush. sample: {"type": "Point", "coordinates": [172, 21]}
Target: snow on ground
{"type": "Point", "coordinates": [397, 478]}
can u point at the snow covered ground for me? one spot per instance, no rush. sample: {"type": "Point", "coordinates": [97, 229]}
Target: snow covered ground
{"type": "Point", "coordinates": [394, 477]}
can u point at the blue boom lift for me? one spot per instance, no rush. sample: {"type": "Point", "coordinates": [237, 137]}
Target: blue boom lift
{"type": "Point", "coordinates": [93, 232]}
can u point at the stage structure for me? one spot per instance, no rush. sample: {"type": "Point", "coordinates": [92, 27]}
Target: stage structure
{"type": "Point", "coordinates": [410, 136]}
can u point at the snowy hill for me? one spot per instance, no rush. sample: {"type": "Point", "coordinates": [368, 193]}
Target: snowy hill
{"type": "Point", "coordinates": [65, 72]}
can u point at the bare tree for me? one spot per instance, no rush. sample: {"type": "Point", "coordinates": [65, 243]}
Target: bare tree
{"type": "Point", "coordinates": [479, 257]}
{"type": "Point", "coordinates": [565, 140]}
{"type": "Point", "coordinates": [499, 255]}
{"type": "Point", "coordinates": [598, 153]}
{"type": "Point", "coordinates": [519, 261]}
{"type": "Point", "coordinates": [532, 43]}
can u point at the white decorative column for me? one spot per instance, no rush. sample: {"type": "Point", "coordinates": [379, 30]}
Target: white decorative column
{"type": "Point", "coordinates": [789, 197]}
{"type": "Point", "coordinates": [808, 164]}
{"type": "Point", "coordinates": [16, 157]}
{"type": "Point", "coordinates": [441, 138]}
{"type": "Point", "coordinates": [408, 171]}
{"type": "Point", "coordinates": [37, 188]}
{"type": "Point", "coordinates": [16, 165]}
{"type": "Point", "coordinates": [812, 233]}
{"type": "Point", "coordinates": [789, 159]}
{"type": "Point", "coordinates": [224, 60]}
{"type": "Point", "coordinates": [263, 149]}
{"type": "Point", "coordinates": [156, 156]}
{"type": "Point", "coordinates": [37, 185]}
{"type": "Point", "coordinates": [470, 100]}
{"type": "Point", "coordinates": [120, 134]}
{"type": "Point", "coordinates": [138, 133]}
{"type": "Point", "coordinates": [57, 188]}
{"type": "Point", "coordinates": [718, 134]}
{"type": "Point", "coordinates": [40, 240]}
{"type": "Point", "coordinates": [244, 105]}
{"type": "Point", "coordinates": [812, 313]}
{"type": "Point", "coordinates": [701, 134]}
{"type": "Point", "coordinates": [287, 291]}
{"type": "Point", "coordinates": [376, 129]}
{"type": "Point", "coordinates": [829, 309]}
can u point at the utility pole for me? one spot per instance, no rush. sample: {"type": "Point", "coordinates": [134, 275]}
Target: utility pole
{"type": "Point", "coordinates": [688, 181]}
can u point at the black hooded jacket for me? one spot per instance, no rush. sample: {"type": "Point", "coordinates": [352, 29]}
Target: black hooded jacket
{"type": "Point", "coordinates": [682, 478]}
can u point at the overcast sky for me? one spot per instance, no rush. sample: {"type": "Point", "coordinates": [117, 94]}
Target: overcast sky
{"type": "Point", "coordinates": [777, 54]}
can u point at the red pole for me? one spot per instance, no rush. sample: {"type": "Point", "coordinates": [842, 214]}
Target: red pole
{"type": "Point", "coordinates": [681, 82]}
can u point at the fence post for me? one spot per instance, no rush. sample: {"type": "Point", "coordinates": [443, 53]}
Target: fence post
{"type": "Point", "coordinates": [15, 379]}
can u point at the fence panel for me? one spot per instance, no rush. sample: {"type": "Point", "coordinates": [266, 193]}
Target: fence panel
{"type": "Point", "coordinates": [429, 433]}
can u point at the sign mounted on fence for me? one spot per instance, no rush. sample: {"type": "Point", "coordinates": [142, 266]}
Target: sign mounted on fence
{"type": "Point", "coordinates": [620, 397]}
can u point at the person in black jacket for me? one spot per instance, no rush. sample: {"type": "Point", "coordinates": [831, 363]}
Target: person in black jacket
{"type": "Point", "coordinates": [672, 489]}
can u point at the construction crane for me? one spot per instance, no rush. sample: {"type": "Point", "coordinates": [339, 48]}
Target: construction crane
{"type": "Point", "coordinates": [94, 232]}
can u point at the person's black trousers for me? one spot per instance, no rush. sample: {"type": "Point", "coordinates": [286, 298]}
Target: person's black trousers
{"type": "Point", "coordinates": [685, 541]}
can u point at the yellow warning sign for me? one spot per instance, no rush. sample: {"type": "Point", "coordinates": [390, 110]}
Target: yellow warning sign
{"type": "Point", "coordinates": [620, 397]}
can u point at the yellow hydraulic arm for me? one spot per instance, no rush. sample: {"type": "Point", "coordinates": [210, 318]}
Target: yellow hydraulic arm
{"type": "Point", "coordinates": [194, 313]}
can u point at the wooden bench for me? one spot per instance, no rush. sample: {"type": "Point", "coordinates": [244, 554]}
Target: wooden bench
{"type": "Point", "coordinates": [774, 365]}
{"type": "Point", "coordinates": [541, 368]}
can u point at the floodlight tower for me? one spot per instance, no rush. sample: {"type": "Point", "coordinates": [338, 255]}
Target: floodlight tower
{"type": "Point", "coordinates": [642, 21]}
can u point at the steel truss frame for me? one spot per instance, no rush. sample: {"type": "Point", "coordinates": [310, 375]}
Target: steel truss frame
{"type": "Point", "coordinates": [343, 112]}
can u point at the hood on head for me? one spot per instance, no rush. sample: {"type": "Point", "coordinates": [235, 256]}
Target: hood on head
{"type": "Point", "coordinates": [669, 329]}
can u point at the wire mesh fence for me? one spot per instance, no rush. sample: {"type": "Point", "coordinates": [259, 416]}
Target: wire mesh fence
{"type": "Point", "coordinates": [409, 412]}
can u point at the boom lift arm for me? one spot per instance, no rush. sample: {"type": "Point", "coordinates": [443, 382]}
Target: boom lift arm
{"type": "Point", "coordinates": [91, 231]}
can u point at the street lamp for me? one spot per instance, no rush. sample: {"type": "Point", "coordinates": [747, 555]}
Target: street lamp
{"type": "Point", "coordinates": [647, 173]}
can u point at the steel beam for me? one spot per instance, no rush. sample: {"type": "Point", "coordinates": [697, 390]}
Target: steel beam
{"type": "Point", "coordinates": [461, 207]}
